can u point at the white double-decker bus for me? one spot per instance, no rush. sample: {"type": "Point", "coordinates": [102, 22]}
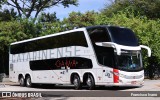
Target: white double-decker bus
{"type": "Point", "coordinates": [96, 55]}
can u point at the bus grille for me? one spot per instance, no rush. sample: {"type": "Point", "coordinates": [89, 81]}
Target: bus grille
{"type": "Point", "coordinates": [133, 77]}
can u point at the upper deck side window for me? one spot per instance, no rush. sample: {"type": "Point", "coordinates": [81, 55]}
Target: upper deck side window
{"type": "Point", "coordinates": [99, 34]}
{"type": "Point", "coordinates": [69, 39]}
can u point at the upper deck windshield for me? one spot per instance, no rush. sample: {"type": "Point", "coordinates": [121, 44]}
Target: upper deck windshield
{"type": "Point", "coordinates": [129, 61]}
{"type": "Point", "coordinates": [123, 36]}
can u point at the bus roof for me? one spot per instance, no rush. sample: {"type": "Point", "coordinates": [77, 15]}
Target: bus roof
{"type": "Point", "coordinates": [104, 26]}
{"type": "Point", "coordinates": [55, 34]}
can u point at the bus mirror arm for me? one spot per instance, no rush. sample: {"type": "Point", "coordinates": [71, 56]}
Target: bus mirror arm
{"type": "Point", "coordinates": [110, 44]}
{"type": "Point", "coordinates": [147, 48]}
{"type": "Point", "coordinates": [118, 49]}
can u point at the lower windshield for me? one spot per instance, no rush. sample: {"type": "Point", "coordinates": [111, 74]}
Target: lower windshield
{"type": "Point", "coordinates": [129, 61]}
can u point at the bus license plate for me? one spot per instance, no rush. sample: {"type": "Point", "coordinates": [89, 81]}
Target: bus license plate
{"type": "Point", "coordinates": [133, 82]}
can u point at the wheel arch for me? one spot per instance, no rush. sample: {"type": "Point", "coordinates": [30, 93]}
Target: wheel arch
{"type": "Point", "coordinates": [27, 74]}
{"type": "Point", "coordinates": [72, 77]}
{"type": "Point", "coordinates": [86, 74]}
{"type": "Point", "coordinates": [20, 75]}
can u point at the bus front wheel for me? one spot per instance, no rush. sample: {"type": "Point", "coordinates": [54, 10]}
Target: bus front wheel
{"type": "Point", "coordinates": [76, 82]}
{"type": "Point", "coordinates": [28, 81]}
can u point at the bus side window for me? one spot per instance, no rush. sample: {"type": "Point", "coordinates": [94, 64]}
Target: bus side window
{"type": "Point", "coordinates": [108, 61]}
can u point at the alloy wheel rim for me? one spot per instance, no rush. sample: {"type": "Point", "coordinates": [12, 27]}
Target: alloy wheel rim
{"type": "Point", "coordinates": [28, 82]}
{"type": "Point", "coordinates": [21, 81]}
{"type": "Point", "coordinates": [75, 82]}
{"type": "Point", "coordinates": [89, 82]}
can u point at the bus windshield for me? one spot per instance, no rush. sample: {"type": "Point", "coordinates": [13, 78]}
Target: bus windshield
{"type": "Point", "coordinates": [129, 61]}
{"type": "Point", "coordinates": [123, 36]}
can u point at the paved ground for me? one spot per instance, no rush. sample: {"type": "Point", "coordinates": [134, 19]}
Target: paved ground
{"type": "Point", "coordinates": [64, 92]}
{"type": "Point", "coordinates": [149, 85]}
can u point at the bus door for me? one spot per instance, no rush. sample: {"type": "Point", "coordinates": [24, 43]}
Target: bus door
{"type": "Point", "coordinates": [107, 71]}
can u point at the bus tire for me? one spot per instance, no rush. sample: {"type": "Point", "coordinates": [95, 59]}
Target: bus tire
{"type": "Point", "coordinates": [28, 81]}
{"type": "Point", "coordinates": [21, 81]}
{"type": "Point", "coordinates": [76, 82]}
{"type": "Point", "coordinates": [90, 82]}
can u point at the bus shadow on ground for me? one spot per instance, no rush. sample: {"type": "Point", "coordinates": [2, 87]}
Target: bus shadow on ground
{"type": "Point", "coordinates": [66, 87]}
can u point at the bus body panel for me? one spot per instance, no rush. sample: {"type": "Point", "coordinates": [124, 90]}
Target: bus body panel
{"type": "Point", "coordinates": [57, 65]}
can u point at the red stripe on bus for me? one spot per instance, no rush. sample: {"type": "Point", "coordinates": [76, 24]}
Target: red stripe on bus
{"type": "Point", "coordinates": [116, 76]}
